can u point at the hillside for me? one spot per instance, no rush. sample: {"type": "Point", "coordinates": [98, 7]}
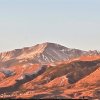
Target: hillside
{"type": "Point", "coordinates": [64, 79]}
{"type": "Point", "coordinates": [50, 70]}
{"type": "Point", "coordinates": [41, 53]}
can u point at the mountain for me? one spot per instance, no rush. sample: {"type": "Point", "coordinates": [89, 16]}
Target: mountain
{"type": "Point", "coordinates": [41, 53]}
{"type": "Point", "coordinates": [50, 70]}
{"type": "Point", "coordinates": [75, 79]}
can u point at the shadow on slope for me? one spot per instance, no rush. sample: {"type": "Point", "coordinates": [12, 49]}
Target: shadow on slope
{"type": "Point", "coordinates": [74, 71]}
{"type": "Point", "coordinates": [19, 82]}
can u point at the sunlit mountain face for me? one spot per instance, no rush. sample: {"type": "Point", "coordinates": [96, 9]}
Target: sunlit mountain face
{"type": "Point", "coordinates": [50, 71]}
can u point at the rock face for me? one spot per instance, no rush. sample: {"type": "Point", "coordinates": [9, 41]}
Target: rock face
{"type": "Point", "coordinates": [41, 53]}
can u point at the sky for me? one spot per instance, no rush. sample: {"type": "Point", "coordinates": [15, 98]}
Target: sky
{"type": "Point", "coordinates": [72, 23]}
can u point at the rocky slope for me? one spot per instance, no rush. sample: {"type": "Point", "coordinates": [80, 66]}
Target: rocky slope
{"type": "Point", "coordinates": [41, 53]}
{"type": "Point", "coordinates": [49, 70]}
{"type": "Point", "coordinates": [67, 80]}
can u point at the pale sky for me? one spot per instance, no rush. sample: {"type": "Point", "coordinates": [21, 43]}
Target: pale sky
{"type": "Point", "coordinates": [72, 23]}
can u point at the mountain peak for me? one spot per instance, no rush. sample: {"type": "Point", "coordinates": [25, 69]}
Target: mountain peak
{"type": "Point", "coordinates": [48, 43]}
{"type": "Point", "coordinates": [46, 52]}
{"type": "Point", "coordinates": [51, 44]}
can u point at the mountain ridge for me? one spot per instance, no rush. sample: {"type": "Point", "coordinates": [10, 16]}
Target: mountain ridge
{"type": "Point", "coordinates": [49, 70]}
{"type": "Point", "coordinates": [42, 53]}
